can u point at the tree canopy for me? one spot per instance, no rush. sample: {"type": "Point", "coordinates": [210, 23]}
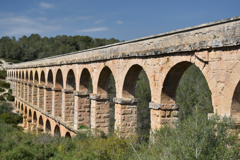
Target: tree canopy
{"type": "Point", "coordinates": [35, 47]}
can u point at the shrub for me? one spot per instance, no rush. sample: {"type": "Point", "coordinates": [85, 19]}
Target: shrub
{"type": "Point", "coordinates": [2, 98]}
{"type": "Point", "coordinates": [2, 90]}
{"type": "Point", "coordinates": [10, 91]}
{"type": "Point", "coordinates": [3, 74]}
{"type": "Point", "coordinates": [4, 84]}
{"type": "Point", "coordinates": [10, 98]}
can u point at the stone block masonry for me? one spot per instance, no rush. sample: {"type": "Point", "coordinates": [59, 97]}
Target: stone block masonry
{"type": "Point", "coordinates": [214, 48]}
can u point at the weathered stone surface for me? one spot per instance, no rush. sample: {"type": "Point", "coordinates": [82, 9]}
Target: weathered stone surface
{"type": "Point", "coordinates": [214, 48]}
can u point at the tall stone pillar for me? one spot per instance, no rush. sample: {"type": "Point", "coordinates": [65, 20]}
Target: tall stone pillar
{"type": "Point", "coordinates": [30, 92]}
{"type": "Point", "coordinates": [41, 96]}
{"type": "Point", "coordinates": [125, 116]}
{"type": "Point", "coordinates": [24, 121]}
{"type": "Point", "coordinates": [48, 99]}
{"type": "Point", "coordinates": [25, 91]}
{"type": "Point", "coordinates": [162, 114]}
{"type": "Point", "coordinates": [68, 106]}
{"type": "Point", "coordinates": [29, 123]}
{"type": "Point", "coordinates": [82, 109]}
{"type": "Point", "coordinates": [57, 104]}
{"type": "Point", "coordinates": [35, 94]}
{"type": "Point", "coordinates": [100, 112]}
{"type": "Point", "coordinates": [18, 88]}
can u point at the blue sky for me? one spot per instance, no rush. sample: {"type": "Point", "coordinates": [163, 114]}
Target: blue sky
{"type": "Point", "coordinates": [120, 19]}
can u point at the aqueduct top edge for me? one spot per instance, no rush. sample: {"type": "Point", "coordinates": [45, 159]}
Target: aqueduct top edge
{"type": "Point", "coordinates": [223, 33]}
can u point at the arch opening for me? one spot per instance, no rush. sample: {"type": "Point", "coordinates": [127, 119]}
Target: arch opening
{"type": "Point", "coordinates": [58, 94]}
{"type": "Point", "coordinates": [30, 87]}
{"type": "Point", "coordinates": [69, 97]}
{"type": "Point", "coordinates": [49, 92]}
{"type": "Point", "coordinates": [34, 123]}
{"type": "Point", "coordinates": [41, 90]}
{"type": "Point", "coordinates": [48, 127]}
{"type": "Point", "coordinates": [136, 86]}
{"type": "Point", "coordinates": [235, 106]}
{"type": "Point", "coordinates": [40, 124]}
{"type": "Point", "coordinates": [106, 88]}
{"type": "Point", "coordinates": [35, 89]}
{"type": "Point", "coordinates": [67, 135]}
{"type": "Point", "coordinates": [57, 132]}
{"type": "Point", "coordinates": [185, 91]}
{"type": "Point", "coordinates": [84, 102]}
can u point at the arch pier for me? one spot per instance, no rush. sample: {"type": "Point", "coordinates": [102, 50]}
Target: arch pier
{"type": "Point", "coordinates": [61, 94]}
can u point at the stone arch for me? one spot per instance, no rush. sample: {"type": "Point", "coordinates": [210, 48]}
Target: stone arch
{"type": "Point", "coordinates": [169, 90]}
{"type": "Point", "coordinates": [129, 96]}
{"type": "Point", "coordinates": [21, 109]}
{"type": "Point", "coordinates": [40, 124]}
{"type": "Point", "coordinates": [34, 122]}
{"type": "Point", "coordinates": [35, 89]}
{"type": "Point", "coordinates": [172, 79]}
{"type": "Point", "coordinates": [71, 83]}
{"type": "Point", "coordinates": [105, 100]}
{"type": "Point", "coordinates": [48, 127]}
{"type": "Point", "coordinates": [83, 102]}
{"type": "Point", "coordinates": [69, 97]}
{"type": "Point", "coordinates": [130, 81]}
{"type": "Point", "coordinates": [85, 78]}
{"type": "Point", "coordinates": [30, 87]}
{"type": "Point", "coordinates": [29, 119]}
{"type": "Point", "coordinates": [57, 132]}
{"type": "Point", "coordinates": [49, 94]}
{"type": "Point", "coordinates": [68, 135]}
{"type": "Point", "coordinates": [26, 86]}
{"type": "Point", "coordinates": [58, 94]}
{"type": "Point", "coordinates": [41, 90]}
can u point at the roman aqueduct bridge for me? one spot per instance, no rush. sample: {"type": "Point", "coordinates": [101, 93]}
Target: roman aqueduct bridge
{"type": "Point", "coordinates": [52, 93]}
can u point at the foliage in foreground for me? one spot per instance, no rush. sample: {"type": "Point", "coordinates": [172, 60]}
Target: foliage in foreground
{"type": "Point", "coordinates": [194, 138]}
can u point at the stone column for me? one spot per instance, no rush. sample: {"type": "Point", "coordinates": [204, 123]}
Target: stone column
{"type": "Point", "coordinates": [24, 121]}
{"type": "Point", "coordinates": [57, 104]}
{"type": "Point", "coordinates": [82, 109]}
{"type": "Point", "coordinates": [30, 92]}
{"type": "Point", "coordinates": [126, 116]}
{"type": "Point", "coordinates": [29, 123]}
{"type": "Point", "coordinates": [100, 112]}
{"type": "Point", "coordinates": [68, 106]}
{"type": "Point", "coordinates": [162, 114]}
{"type": "Point", "coordinates": [18, 88]}
{"type": "Point", "coordinates": [48, 99]}
{"type": "Point", "coordinates": [25, 91]}
{"type": "Point", "coordinates": [40, 97]}
{"type": "Point", "coordinates": [35, 94]}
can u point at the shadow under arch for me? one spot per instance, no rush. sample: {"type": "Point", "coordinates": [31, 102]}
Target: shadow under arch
{"type": "Point", "coordinates": [235, 106]}
{"type": "Point", "coordinates": [58, 94]}
{"type": "Point", "coordinates": [69, 97]}
{"type": "Point", "coordinates": [84, 102]}
{"type": "Point", "coordinates": [136, 89]}
{"type": "Point", "coordinates": [35, 89]}
{"type": "Point", "coordinates": [40, 124]}
{"type": "Point", "coordinates": [41, 90]}
{"type": "Point", "coordinates": [48, 127]}
{"type": "Point", "coordinates": [57, 132]}
{"type": "Point", "coordinates": [106, 88]}
{"type": "Point", "coordinates": [183, 88]}
{"type": "Point", "coordinates": [49, 92]}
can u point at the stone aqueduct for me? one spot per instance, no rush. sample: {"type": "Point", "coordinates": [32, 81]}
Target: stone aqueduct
{"type": "Point", "coordinates": [52, 93]}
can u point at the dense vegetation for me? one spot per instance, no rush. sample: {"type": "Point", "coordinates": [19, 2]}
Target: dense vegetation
{"type": "Point", "coordinates": [34, 46]}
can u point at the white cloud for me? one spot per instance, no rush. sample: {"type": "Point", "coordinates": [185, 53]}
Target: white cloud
{"type": "Point", "coordinates": [99, 21]}
{"type": "Point", "coordinates": [119, 22]}
{"type": "Point", "coordinates": [96, 29]}
{"type": "Point", "coordinates": [22, 25]}
{"type": "Point", "coordinates": [45, 5]}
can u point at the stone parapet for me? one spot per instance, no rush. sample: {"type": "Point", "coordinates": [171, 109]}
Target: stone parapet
{"type": "Point", "coordinates": [218, 34]}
